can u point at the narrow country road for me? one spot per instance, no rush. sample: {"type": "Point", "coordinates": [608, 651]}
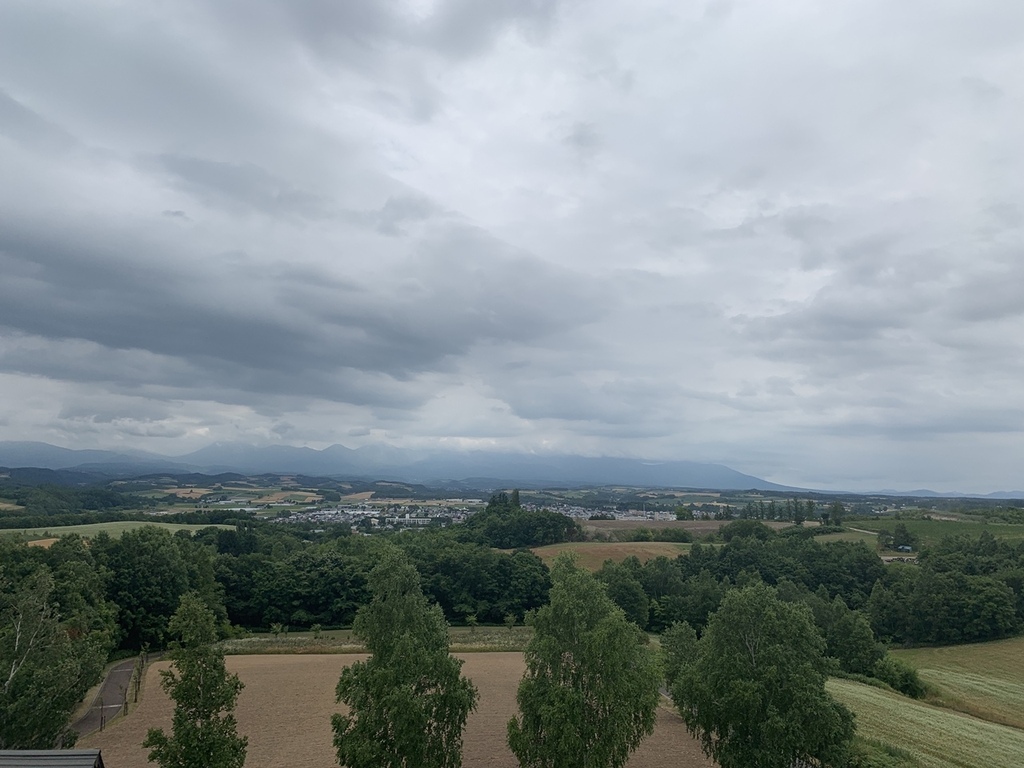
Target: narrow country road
{"type": "Point", "coordinates": [109, 702]}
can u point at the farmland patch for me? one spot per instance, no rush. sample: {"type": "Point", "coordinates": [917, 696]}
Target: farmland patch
{"type": "Point", "coordinates": [287, 703]}
{"type": "Point", "coordinates": [592, 554]}
{"type": "Point", "coordinates": [935, 737]}
{"type": "Point", "coordinates": [982, 679]}
{"type": "Point", "coordinates": [115, 529]}
{"type": "Point", "coordinates": [932, 531]}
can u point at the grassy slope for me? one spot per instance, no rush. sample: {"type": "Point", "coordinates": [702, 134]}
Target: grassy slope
{"type": "Point", "coordinates": [935, 737]}
{"type": "Point", "coordinates": [113, 528]}
{"type": "Point", "coordinates": [984, 679]}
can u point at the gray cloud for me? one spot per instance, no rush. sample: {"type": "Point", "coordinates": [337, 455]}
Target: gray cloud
{"type": "Point", "coordinates": [401, 210]}
{"type": "Point", "coordinates": [464, 27]}
{"type": "Point", "coordinates": [705, 230]}
{"type": "Point", "coordinates": [240, 186]}
{"type": "Point", "coordinates": [30, 129]}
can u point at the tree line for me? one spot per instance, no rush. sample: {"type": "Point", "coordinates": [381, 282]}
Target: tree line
{"type": "Point", "coordinates": [961, 590]}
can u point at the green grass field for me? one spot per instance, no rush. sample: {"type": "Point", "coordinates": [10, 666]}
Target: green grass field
{"type": "Point", "coordinates": [932, 531]}
{"type": "Point", "coordinates": [463, 640]}
{"type": "Point", "coordinates": [868, 538]}
{"type": "Point", "coordinates": [934, 737]}
{"type": "Point", "coordinates": [984, 679]}
{"type": "Point", "coordinates": [115, 529]}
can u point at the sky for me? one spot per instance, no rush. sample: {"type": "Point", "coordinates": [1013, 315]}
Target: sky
{"type": "Point", "coordinates": [782, 235]}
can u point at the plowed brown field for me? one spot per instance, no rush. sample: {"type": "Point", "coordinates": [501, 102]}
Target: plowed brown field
{"type": "Point", "coordinates": [287, 703]}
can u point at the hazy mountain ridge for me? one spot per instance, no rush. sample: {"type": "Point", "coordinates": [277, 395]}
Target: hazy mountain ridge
{"type": "Point", "coordinates": [469, 469]}
{"type": "Point", "coordinates": [385, 462]}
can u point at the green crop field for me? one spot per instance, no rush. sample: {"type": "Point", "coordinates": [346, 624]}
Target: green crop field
{"type": "Point", "coordinates": [868, 538]}
{"type": "Point", "coordinates": [932, 531]}
{"type": "Point", "coordinates": [983, 679]}
{"type": "Point", "coordinates": [934, 737]}
{"type": "Point", "coordinates": [87, 531]}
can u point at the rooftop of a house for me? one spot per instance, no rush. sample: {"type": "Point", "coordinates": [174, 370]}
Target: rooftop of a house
{"type": "Point", "coordinates": [50, 758]}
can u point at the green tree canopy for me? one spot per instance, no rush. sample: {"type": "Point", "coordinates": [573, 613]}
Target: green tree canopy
{"type": "Point", "coordinates": [590, 691]}
{"type": "Point", "coordinates": [150, 570]}
{"type": "Point", "coordinates": [626, 591]}
{"type": "Point", "coordinates": [506, 525]}
{"type": "Point", "coordinates": [46, 664]}
{"type": "Point", "coordinates": [204, 696]}
{"type": "Point", "coordinates": [753, 687]}
{"type": "Point", "coordinates": [408, 703]}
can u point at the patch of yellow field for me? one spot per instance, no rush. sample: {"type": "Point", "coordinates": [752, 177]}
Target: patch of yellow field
{"type": "Point", "coordinates": [44, 543]}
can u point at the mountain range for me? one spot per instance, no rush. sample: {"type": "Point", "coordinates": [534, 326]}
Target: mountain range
{"type": "Point", "coordinates": [470, 469]}
{"type": "Point", "coordinates": [473, 468]}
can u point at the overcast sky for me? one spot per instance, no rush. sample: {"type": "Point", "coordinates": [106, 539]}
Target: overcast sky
{"type": "Point", "coordinates": [783, 235]}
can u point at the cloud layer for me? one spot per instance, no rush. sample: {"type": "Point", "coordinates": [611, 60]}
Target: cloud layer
{"type": "Point", "coordinates": [779, 236]}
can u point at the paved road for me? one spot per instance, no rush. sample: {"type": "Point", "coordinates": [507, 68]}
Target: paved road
{"type": "Point", "coordinates": [109, 702]}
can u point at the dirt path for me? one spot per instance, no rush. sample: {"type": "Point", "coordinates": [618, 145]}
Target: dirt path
{"type": "Point", "coordinates": [286, 707]}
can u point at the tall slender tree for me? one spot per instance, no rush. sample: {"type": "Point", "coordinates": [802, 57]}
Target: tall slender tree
{"type": "Point", "coordinates": [407, 703]}
{"type": "Point", "coordinates": [590, 691]}
{"type": "Point", "coordinates": [204, 696]}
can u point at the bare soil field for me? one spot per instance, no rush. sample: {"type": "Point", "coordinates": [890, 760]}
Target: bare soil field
{"type": "Point", "coordinates": [287, 703]}
{"type": "Point", "coordinates": [592, 554]}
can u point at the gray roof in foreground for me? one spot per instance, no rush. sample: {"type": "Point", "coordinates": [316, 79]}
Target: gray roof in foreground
{"type": "Point", "coordinates": [50, 758]}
